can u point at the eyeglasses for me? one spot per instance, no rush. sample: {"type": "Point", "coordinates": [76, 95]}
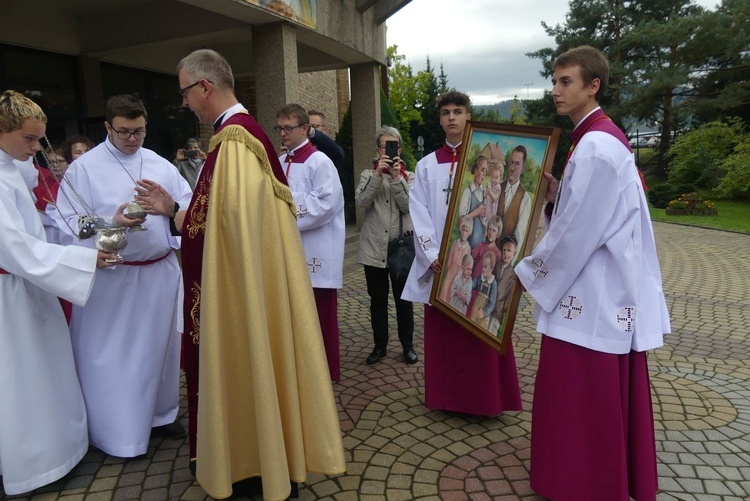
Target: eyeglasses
{"type": "Point", "coordinates": [287, 128]}
{"type": "Point", "coordinates": [125, 134]}
{"type": "Point", "coordinates": [184, 91]}
{"type": "Point", "coordinates": [318, 126]}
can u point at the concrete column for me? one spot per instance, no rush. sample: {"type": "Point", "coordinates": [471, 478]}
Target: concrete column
{"type": "Point", "coordinates": [365, 82]}
{"type": "Point", "coordinates": [276, 71]}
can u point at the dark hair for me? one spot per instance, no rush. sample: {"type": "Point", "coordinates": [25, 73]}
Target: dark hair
{"type": "Point", "coordinates": [522, 149]}
{"type": "Point", "coordinates": [126, 106]}
{"type": "Point", "coordinates": [453, 97]}
{"type": "Point", "coordinates": [508, 239]}
{"type": "Point", "coordinates": [67, 146]}
{"type": "Point", "coordinates": [591, 61]}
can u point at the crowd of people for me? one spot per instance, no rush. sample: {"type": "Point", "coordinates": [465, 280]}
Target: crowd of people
{"type": "Point", "coordinates": [250, 314]}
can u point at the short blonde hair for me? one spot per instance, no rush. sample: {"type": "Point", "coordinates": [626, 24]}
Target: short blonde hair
{"type": "Point", "coordinates": [15, 108]}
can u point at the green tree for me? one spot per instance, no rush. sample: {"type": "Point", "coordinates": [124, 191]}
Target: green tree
{"type": "Point", "coordinates": [518, 112]}
{"type": "Point", "coordinates": [403, 92]}
{"type": "Point", "coordinates": [736, 183]}
{"type": "Point", "coordinates": [670, 59]}
{"type": "Point", "coordinates": [429, 125]}
{"type": "Point", "coordinates": [724, 89]}
{"type": "Point", "coordinates": [442, 81]}
{"type": "Point", "coordinates": [697, 158]}
{"type": "Point", "coordinates": [388, 117]}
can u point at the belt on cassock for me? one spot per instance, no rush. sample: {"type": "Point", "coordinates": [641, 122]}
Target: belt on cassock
{"type": "Point", "coordinates": [146, 262]}
{"type": "Point", "coordinates": [3, 272]}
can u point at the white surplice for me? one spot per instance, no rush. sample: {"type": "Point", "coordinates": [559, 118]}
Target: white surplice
{"type": "Point", "coordinates": [429, 209]}
{"type": "Point", "coordinates": [319, 197]}
{"type": "Point", "coordinates": [42, 414]}
{"type": "Point", "coordinates": [595, 274]}
{"type": "Point", "coordinates": [126, 340]}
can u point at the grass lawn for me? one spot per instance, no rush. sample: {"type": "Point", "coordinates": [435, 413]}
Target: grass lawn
{"type": "Point", "coordinates": [733, 215]}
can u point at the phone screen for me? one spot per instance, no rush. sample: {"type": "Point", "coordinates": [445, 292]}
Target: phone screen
{"type": "Point", "coordinates": [391, 149]}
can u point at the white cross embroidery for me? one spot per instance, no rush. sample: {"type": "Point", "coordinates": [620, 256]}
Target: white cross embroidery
{"type": "Point", "coordinates": [626, 318]}
{"type": "Point", "coordinates": [314, 265]}
{"type": "Point", "coordinates": [540, 269]}
{"type": "Point", "coordinates": [424, 242]}
{"type": "Point", "coordinates": [301, 211]}
{"type": "Point", "coordinates": [571, 307]}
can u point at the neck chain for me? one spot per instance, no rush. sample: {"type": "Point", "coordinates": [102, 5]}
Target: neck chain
{"type": "Point", "coordinates": [91, 215]}
{"type": "Point", "coordinates": [140, 173]}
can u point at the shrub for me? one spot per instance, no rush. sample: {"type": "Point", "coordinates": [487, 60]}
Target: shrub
{"type": "Point", "coordinates": [697, 157]}
{"type": "Point", "coordinates": [660, 195]}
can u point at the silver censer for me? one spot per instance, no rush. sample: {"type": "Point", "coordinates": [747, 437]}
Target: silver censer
{"type": "Point", "coordinates": [111, 239]}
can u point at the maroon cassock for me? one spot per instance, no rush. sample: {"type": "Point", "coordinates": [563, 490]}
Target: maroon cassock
{"type": "Point", "coordinates": [464, 374]}
{"type": "Point", "coordinates": [192, 261]}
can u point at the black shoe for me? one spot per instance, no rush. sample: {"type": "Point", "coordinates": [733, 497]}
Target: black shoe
{"type": "Point", "coordinates": [410, 356]}
{"type": "Point", "coordinates": [376, 356]}
{"type": "Point", "coordinates": [171, 431]}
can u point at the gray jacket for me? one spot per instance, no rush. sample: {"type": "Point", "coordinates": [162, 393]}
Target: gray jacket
{"type": "Point", "coordinates": [383, 200]}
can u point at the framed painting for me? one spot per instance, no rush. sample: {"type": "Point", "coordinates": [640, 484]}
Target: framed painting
{"type": "Point", "coordinates": [496, 200]}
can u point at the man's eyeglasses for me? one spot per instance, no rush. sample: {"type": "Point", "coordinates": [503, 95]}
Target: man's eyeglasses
{"type": "Point", "coordinates": [318, 126]}
{"type": "Point", "coordinates": [183, 92]}
{"type": "Point", "coordinates": [287, 128]}
{"type": "Point", "coordinates": [125, 134]}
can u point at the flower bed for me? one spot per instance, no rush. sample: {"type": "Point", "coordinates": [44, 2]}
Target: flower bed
{"type": "Point", "coordinates": [689, 204]}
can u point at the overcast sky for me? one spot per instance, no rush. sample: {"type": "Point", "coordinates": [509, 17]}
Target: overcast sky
{"type": "Point", "coordinates": [481, 43]}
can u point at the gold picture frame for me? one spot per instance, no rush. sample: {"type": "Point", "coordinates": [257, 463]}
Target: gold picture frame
{"type": "Point", "coordinates": [492, 154]}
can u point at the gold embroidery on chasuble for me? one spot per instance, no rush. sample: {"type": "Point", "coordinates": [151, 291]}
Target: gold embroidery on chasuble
{"type": "Point", "coordinates": [199, 209]}
{"type": "Point", "coordinates": [195, 313]}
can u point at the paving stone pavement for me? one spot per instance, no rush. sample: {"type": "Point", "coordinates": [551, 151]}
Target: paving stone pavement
{"type": "Point", "coordinates": [396, 449]}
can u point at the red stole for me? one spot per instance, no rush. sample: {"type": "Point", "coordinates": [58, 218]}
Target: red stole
{"type": "Point", "coordinates": [193, 238]}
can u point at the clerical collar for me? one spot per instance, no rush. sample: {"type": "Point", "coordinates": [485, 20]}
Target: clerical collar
{"type": "Point", "coordinates": [219, 121]}
{"type": "Point", "coordinates": [232, 110]}
{"type": "Point", "coordinates": [448, 146]}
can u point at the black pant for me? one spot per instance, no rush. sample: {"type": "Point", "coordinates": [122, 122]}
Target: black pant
{"type": "Point", "coordinates": [377, 288]}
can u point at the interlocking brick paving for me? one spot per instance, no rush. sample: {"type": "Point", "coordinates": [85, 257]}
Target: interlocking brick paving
{"type": "Point", "coordinates": [396, 449]}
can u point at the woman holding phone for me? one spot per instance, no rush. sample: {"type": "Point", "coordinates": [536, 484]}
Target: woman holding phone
{"type": "Point", "coordinates": [383, 193]}
{"type": "Point", "coordinates": [189, 161]}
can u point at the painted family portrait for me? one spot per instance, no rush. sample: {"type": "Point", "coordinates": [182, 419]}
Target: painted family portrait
{"type": "Point", "coordinates": [492, 220]}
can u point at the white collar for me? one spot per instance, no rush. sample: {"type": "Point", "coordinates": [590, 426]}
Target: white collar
{"type": "Point", "coordinates": [232, 110]}
{"type": "Point", "coordinates": [587, 115]}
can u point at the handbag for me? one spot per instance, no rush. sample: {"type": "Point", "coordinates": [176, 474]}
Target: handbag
{"type": "Point", "coordinates": [400, 253]}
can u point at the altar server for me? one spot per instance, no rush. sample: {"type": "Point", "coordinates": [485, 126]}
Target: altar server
{"type": "Point", "coordinates": [319, 197]}
{"type": "Point", "coordinates": [462, 373]}
{"type": "Point", "coordinates": [600, 306]}
{"type": "Point", "coordinates": [42, 414]}
{"type": "Point", "coordinates": [126, 340]}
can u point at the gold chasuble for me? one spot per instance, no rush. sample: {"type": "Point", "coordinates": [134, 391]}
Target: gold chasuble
{"type": "Point", "coordinates": [265, 401]}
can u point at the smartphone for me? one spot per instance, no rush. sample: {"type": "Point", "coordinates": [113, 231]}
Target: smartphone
{"type": "Point", "coordinates": [191, 153]}
{"type": "Point", "coordinates": [391, 149]}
